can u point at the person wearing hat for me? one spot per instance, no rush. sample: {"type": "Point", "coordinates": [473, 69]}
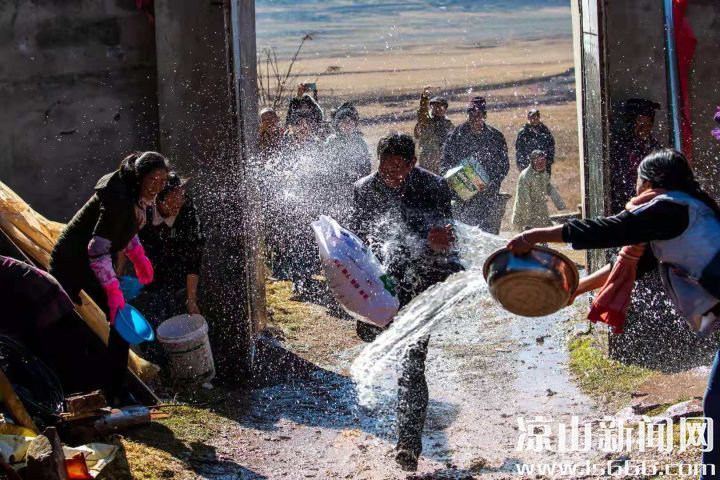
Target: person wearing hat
{"type": "Point", "coordinates": [535, 135]}
{"type": "Point", "coordinates": [431, 130]}
{"type": "Point", "coordinates": [304, 120]}
{"type": "Point", "coordinates": [349, 160]}
{"type": "Point", "coordinates": [533, 189]}
{"type": "Point", "coordinates": [477, 143]}
{"type": "Point", "coordinates": [174, 242]}
{"type": "Point", "coordinates": [634, 143]}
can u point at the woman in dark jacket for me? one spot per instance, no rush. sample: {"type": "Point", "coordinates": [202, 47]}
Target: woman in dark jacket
{"type": "Point", "coordinates": [107, 224]}
{"type": "Point", "coordinates": [671, 224]}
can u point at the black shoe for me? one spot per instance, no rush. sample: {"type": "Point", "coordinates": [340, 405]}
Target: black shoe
{"type": "Point", "coordinates": [407, 460]}
{"type": "Point", "coordinates": [367, 332]}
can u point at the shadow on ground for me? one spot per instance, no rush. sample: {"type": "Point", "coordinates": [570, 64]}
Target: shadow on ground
{"type": "Point", "coordinates": [285, 387]}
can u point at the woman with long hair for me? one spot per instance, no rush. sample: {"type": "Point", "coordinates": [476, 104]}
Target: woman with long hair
{"type": "Point", "coordinates": [671, 224]}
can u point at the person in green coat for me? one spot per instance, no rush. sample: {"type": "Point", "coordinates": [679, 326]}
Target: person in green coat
{"type": "Point", "coordinates": [106, 225]}
{"type": "Point", "coordinates": [533, 189]}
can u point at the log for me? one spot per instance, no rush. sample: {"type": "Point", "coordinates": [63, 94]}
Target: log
{"type": "Point", "coordinates": [14, 405]}
{"type": "Point", "coordinates": [88, 403]}
{"type": "Point", "coordinates": [45, 458]}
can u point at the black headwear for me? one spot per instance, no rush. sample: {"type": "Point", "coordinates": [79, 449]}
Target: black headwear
{"type": "Point", "coordinates": [439, 100]}
{"type": "Point", "coordinates": [137, 165]}
{"type": "Point", "coordinates": [670, 170]}
{"type": "Point", "coordinates": [173, 182]}
{"type": "Point", "coordinates": [640, 106]}
{"type": "Point", "coordinates": [304, 107]}
{"type": "Point", "coordinates": [346, 110]}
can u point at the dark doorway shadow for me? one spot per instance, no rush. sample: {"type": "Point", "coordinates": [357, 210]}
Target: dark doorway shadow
{"type": "Point", "coordinates": [287, 387]}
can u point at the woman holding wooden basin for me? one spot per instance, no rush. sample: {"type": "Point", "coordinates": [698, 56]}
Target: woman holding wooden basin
{"type": "Point", "coordinates": [671, 224]}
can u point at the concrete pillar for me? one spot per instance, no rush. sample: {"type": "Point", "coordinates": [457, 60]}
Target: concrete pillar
{"type": "Point", "coordinates": [197, 132]}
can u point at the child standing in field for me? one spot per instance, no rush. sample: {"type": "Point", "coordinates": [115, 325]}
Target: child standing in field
{"type": "Point", "coordinates": [533, 189]}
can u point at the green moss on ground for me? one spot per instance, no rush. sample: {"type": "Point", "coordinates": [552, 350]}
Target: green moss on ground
{"type": "Point", "coordinates": [606, 380]}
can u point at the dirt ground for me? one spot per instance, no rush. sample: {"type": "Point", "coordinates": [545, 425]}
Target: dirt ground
{"type": "Point", "coordinates": [482, 373]}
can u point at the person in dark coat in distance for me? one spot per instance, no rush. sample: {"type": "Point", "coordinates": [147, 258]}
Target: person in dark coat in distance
{"type": "Point", "coordinates": [294, 184]}
{"type": "Point", "coordinates": [633, 143]}
{"type": "Point", "coordinates": [400, 193]}
{"type": "Point", "coordinates": [534, 135]}
{"type": "Point", "coordinates": [431, 130]}
{"type": "Point", "coordinates": [106, 225]}
{"type": "Point", "coordinates": [347, 161]}
{"type": "Point", "coordinates": [476, 142]}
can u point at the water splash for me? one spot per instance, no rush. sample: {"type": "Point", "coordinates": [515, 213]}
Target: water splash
{"type": "Point", "coordinates": [375, 371]}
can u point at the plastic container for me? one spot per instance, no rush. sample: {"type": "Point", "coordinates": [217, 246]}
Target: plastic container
{"type": "Point", "coordinates": [132, 326]}
{"type": "Point", "coordinates": [185, 341]}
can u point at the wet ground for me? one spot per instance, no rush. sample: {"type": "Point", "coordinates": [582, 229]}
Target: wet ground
{"type": "Point", "coordinates": [482, 375]}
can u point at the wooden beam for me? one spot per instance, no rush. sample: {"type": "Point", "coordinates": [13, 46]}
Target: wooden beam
{"type": "Point", "coordinates": [14, 405]}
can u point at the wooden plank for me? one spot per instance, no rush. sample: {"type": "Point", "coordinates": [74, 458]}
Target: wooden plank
{"type": "Point", "coordinates": [14, 405]}
{"type": "Point", "coordinates": [89, 402]}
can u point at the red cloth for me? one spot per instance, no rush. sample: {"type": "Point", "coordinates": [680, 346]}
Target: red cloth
{"type": "Point", "coordinates": [685, 43]}
{"type": "Point", "coordinates": [77, 468]}
{"type": "Point", "coordinates": [612, 301]}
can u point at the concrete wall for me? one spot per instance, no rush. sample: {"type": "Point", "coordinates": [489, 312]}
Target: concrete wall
{"type": "Point", "coordinates": [192, 83]}
{"type": "Point", "coordinates": [636, 68]}
{"type": "Point", "coordinates": [198, 134]}
{"type": "Point", "coordinates": [78, 91]}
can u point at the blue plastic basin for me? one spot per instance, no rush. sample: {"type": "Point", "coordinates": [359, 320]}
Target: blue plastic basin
{"type": "Point", "coordinates": [132, 326]}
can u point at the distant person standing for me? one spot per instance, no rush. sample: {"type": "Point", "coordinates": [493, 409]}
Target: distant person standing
{"type": "Point", "coordinates": [431, 130]}
{"type": "Point", "coordinates": [533, 190]}
{"type": "Point", "coordinates": [270, 133]}
{"type": "Point", "coordinates": [348, 160]}
{"type": "Point", "coordinates": [477, 143]}
{"type": "Point", "coordinates": [634, 143]}
{"type": "Point", "coordinates": [535, 135]}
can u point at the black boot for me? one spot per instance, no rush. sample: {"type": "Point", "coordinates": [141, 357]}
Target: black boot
{"type": "Point", "coordinates": [412, 405]}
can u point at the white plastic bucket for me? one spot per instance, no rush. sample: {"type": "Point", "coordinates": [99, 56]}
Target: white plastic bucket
{"type": "Point", "coordinates": [186, 343]}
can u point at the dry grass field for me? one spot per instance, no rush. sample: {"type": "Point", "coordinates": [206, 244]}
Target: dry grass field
{"type": "Point", "coordinates": [513, 77]}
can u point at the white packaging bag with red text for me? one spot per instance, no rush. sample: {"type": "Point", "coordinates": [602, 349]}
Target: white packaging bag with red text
{"type": "Point", "coordinates": [354, 274]}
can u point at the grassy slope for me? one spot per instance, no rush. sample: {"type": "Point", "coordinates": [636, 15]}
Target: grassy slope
{"type": "Point", "coordinates": [611, 383]}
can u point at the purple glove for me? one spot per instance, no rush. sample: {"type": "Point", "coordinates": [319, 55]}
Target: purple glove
{"type": "Point", "coordinates": [115, 299]}
{"type": "Point", "coordinates": [143, 268]}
